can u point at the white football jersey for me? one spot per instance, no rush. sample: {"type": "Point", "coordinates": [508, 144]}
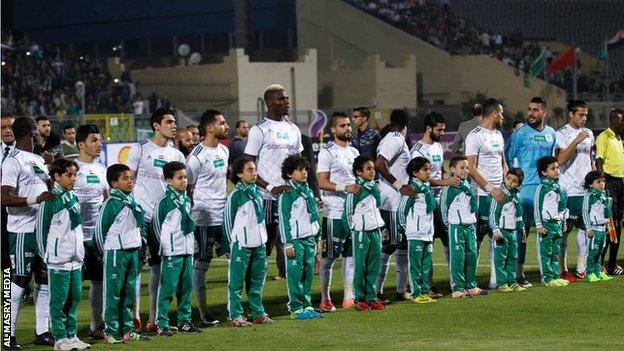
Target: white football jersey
{"type": "Point", "coordinates": [435, 154]}
{"type": "Point", "coordinates": [489, 147]}
{"type": "Point", "coordinates": [90, 187]}
{"type": "Point", "coordinates": [338, 161]}
{"type": "Point", "coordinates": [394, 149]}
{"type": "Point", "coordinates": [574, 171]}
{"type": "Point", "coordinates": [206, 168]}
{"type": "Point", "coordinates": [271, 142]}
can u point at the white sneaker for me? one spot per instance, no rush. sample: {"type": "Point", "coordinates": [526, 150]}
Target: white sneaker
{"type": "Point", "coordinates": [79, 344]}
{"type": "Point", "coordinates": [63, 345]}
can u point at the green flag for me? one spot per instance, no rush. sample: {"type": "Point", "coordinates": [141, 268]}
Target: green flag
{"type": "Point", "coordinates": [539, 64]}
{"type": "Point", "coordinates": [602, 55]}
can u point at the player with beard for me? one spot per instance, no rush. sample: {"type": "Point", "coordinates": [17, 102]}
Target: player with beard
{"type": "Point", "coordinates": [430, 148]}
{"type": "Point", "coordinates": [268, 145]}
{"type": "Point", "coordinates": [485, 150]}
{"type": "Point", "coordinates": [526, 145]}
{"type": "Point", "coordinates": [184, 141]}
{"type": "Point", "coordinates": [573, 150]}
{"type": "Point", "coordinates": [146, 160]}
{"type": "Point", "coordinates": [91, 188]}
{"type": "Point", "coordinates": [336, 180]}
{"type": "Point", "coordinates": [206, 168]}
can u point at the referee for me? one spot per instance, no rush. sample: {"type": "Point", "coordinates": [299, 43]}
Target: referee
{"type": "Point", "coordinates": [610, 161]}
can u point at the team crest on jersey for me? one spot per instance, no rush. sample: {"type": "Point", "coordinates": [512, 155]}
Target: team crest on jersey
{"type": "Point", "coordinates": [548, 138]}
{"type": "Point", "coordinates": [159, 163]}
{"type": "Point", "coordinates": [93, 179]}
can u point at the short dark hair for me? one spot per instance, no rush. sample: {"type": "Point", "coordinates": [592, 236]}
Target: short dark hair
{"type": "Point", "coordinates": [358, 163]}
{"type": "Point", "coordinates": [539, 100]}
{"type": "Point", "coordinates": [239, 122]}
{"type": "Point", "coordinates": [60, 166]}
{"type": "Point", "coordinates": [574, 105]}
{"type": "Point", "coordinates": [159, 114]}
{"type": "Point", "coordinates": [293, 163]}
{"type": "Point", "coordinates": [114, 172]}
{"type": "Point", "coordinates": [23, 126]}
{"type": "Point", "coordinates": [518, 173]}
{"type": "Point", "coordinates": [415, 165]}
{"type": "Point", "coordinates": [591, 177]}
{"type": "Point", "coordinates": [432, 119]}
{"type": "Point", "coordinates": [82, 133]}
{"type": "Point", "coordinates": [489, 106]}
{"type": "Point", "coordinates": [41, 118]}
{"type": "Point", "coordinates": [614, 113]}
{"type": "Point", "coordinates": [456, 159]}
{"type": "Point", "coordinates": [238, 166]}
{"type": "Point", "coordinates": [170, 168]}
{"type": "Point", "coordinates": [208, 117]}
{"type": "Point", "coordinates": [336, 116]}
{"type": "Point", "coordinates": [477, 109]}
{"type": "Point", "coordinates": [399, 119]}
{"type": "Point", "coordinates": [68, 126]}
{"type": "Point", "coordinates": [543, 163]}
{"type": "Point", "coordinates": [363, 110]}
{"type": "Point", "coordinates": [516, 122]}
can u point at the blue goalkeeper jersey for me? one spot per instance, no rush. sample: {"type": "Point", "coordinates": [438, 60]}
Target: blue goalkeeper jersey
{"type": "Point", "coordinates": [527, 145]}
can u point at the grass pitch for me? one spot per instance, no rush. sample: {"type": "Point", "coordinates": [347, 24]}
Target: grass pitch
{"type": "Point", "coordinates": [581, 316]}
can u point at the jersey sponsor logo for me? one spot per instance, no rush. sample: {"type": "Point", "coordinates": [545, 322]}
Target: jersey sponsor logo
{"type": "Point", "coordinates": [218, 163]}
{"type": "Point", "coordinates": [159, 163]}
{"type": "Point", "coordinates": [37, 170]}
{"type": "Point", "coordinates": [436, 158]}
{"type": "Point", "coordinates": [282, 135]}
{"type": "Point", "coordinates": [93, 179]}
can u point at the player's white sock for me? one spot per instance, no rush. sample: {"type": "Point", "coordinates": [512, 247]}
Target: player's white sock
{"type": "Point", "coordinates": [16, 300]}
{"type": "Point", "coordinates": [581, 249]}
{"type": "Point", "coordinates": [153, 290]}
{"type": "Point", "coordinates": [42, 308]}
{"type": "Point", "coordinates": [325, 277]}
{"type": "Point", "coordinates": [493, 282]}
{"type": "Point", "coordinates": [402, 270]}
{"type": "Point", "coordinates": [137, 297]}
{"type": "Point", "coordinates": [383, 272]}
{"type": "Point", "coordinates": [563, 253]}
{"type": "Point", "coordinates": [348, 270]}
{"type": "Point", "coordinates": [95, 301]}
{"type": "Point", "coordinates": [199, 285]}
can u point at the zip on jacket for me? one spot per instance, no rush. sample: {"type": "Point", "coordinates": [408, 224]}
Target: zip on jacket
{"type": "Point", "coordinates": [240, 222]}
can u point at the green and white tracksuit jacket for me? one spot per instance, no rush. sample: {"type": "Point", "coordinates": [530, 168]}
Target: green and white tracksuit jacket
{"type": "Point", "coordinates": [549, 203]}
{"type": "Point", "coordinates": [507, 216]}
{"type": "Point", "coordinates": [458, 204]}
{"type": "Point", "coordinates": [299, 227]}
{"type": "Point", "coordinates": [59, 231]}
{"type": "Point", "coordinates": [416, 215]}
{"type": "Point", "coordinates": [119, 223]}
{"type": "Point", "coordinates": [173, 225]}
{"type": "Point", "coordinates": [241, 217]}
{"type": "Point", "coordinates": [362, 211]}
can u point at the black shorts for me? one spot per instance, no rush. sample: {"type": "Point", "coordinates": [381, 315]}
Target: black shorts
{"type": "Point", "coordinates": [92, 268]}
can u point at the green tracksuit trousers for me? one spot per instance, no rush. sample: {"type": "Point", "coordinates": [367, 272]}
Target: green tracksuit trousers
{"type": "Point", "coordinates": [65, 293]}
{"type": "Point", "coordinates": [367, 255]}
{"type": "Point", "coordinates": [463, 252]}
{"type": "Point", "coordinates": [120, 270]}
{"type": "Point", "coordinates": [420, 263]}
{"type": "Point", "coordinates": [176, 279]}
{"type": "Point", "coordinates": [548, 251]}
{"type": "Point", "coordinates": [506, 257]}
{"type": "Point", "coordinates": [299, 273]}
{"type": "Point", "coordinates": [595, 246]}
{"type": "Point", "coordinates": [241, 258]}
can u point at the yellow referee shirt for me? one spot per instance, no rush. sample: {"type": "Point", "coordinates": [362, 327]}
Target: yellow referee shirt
{"type": "Point", "coordinates": [610, 149]}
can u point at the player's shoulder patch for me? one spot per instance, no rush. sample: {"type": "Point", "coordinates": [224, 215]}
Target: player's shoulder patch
{"type": "Point", "coordinates": [14, 153]}
{"type": "Point", "coordinates": [144, 142]}
{"type": "Point", "coordinates": [329, 145]}
{"type": "Point", "coordinates": [475, 130]}
{"type": "Point", "coordinates": [197, 150]}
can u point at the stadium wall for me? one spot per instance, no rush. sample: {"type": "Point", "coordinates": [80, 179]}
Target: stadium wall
{"type": "Point", "coordinates": [235, 84]}
{"type": "Point", "coordinates": [341, 32]}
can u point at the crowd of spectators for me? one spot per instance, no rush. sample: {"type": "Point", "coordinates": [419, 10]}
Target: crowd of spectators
{"type": "Point", "coordinates": [41, 80]}
{"type": "Point", "coordinates": [435, 22]}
